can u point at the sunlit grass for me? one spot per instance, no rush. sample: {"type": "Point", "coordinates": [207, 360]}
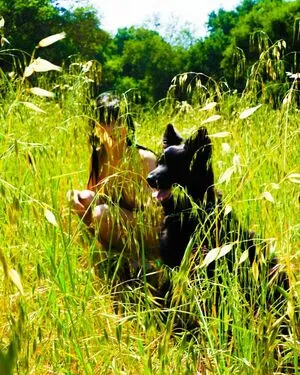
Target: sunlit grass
{"type": "Point", "coordinates": [71, 320]}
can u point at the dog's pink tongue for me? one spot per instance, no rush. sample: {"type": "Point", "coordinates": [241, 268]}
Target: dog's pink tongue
{"type": "Point", "coordinates": [161, 194]}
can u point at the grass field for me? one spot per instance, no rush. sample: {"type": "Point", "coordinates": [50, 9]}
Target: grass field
{"type": "Point", "coordinates": [58, 317]}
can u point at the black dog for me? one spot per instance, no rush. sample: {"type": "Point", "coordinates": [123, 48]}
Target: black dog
{"type": "Point", "coordinates": [195, 223]}
{"type": "Point", "coordinates": [196, 213]}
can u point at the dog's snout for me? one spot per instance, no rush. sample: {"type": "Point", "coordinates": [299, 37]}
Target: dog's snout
{"type": "Point", "coordinates": [152, 181]}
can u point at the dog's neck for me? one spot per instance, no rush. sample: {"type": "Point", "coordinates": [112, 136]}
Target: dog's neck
{"type": "Point", "coordinates": [200, 191]}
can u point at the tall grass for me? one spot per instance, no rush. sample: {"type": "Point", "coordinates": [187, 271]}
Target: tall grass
{"type": "Point", "coordinates": [58, 316]}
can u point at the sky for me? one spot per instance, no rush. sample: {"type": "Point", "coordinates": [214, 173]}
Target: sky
{"type": "Point", "coordinates": [124, 13]}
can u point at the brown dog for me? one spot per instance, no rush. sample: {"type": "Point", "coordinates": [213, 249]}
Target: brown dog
{"type": "Point", "coordinates": [116, 205]}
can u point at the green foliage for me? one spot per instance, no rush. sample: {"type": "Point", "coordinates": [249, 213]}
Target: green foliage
{"type": "Point", "coordinates": [65, 319]}
{"type": "Point", "coordinates": [83, 29]}
{"type": "Point", "coordinates": [148, 59]}
{"type": "Point", "coordinates": [27, 23]}
{"type": "Point", "coordinates": [56, 315]}
{"type": "Point", "coordinates": [140, 58]}
{"type": "Point", "coordinates": [276, 20]}
{"type": "Point", "coordinates": [222, 20]}
{"type": "Point", "coordinates": [206, 55]}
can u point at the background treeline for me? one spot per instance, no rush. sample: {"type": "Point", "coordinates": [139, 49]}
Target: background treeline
{"type": "Point", "coordinates": [140, 58]}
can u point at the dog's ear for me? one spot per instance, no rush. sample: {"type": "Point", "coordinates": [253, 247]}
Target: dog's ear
{"type": "Point", "coordinates": [199, 143]}
{"type": "Point", "coordinates": [171, 137]}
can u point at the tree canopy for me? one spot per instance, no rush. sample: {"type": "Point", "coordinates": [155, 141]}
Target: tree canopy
{"type": "Point", "coordinates": [140, 58]}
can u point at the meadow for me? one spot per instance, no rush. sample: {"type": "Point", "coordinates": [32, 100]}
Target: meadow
{"type": "Point", "coordinates": [58, 314]}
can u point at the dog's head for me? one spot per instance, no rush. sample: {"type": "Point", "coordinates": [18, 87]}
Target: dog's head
{"type": "Point", "coordinates": [187, 165]}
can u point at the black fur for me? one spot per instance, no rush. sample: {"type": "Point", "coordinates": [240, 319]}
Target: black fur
{"type": "Point", "coordinates": [171, 137]}
{"type": "Point", "coordinates": [195, 223]}
{"type": "Point", "coordinates": [197, 212]}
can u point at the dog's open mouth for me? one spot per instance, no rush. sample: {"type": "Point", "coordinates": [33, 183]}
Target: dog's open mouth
{"type": "Point", "coordinates": [161, 194]}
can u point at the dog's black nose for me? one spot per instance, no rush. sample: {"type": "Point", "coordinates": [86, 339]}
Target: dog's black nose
{"type": "Point", "coordinates": [152, 181]}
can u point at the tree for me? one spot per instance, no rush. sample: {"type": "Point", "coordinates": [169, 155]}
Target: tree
{"type": "Point", "coordinates": [237, 38]}
{"type": "Point", "coordinates": [85, 36]}
{"type": "Point", "coordinates": [222, 21]}
{"type": "Point", "coordinates": [147, 61]}
{"type": "Point", "coordinates": [275, 19]}
{"type": "Point", "coordinates": [27, 22]}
